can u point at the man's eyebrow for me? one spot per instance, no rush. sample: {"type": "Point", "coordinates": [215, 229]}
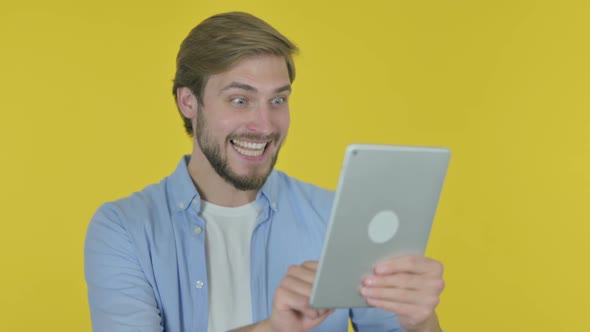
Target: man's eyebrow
{"type": "Point", "coordinates": [238, 85]}
{"type": "Point", "coordinates": [283, 88]}
{"type": "Point", "coordinates": [247, 87]}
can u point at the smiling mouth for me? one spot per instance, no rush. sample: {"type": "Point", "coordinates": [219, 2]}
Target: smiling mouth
{"type": "Point", "coordinates": [249, 149]}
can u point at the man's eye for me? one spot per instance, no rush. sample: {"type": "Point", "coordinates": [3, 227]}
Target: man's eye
{"type": "Point", "coordinates": [278, 100]}
{"type": "Point", "coordinates": [239, 101]}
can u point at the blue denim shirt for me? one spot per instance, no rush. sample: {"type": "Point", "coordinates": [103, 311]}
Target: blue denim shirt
{"type": "Point", "coordinates": [145, 261]}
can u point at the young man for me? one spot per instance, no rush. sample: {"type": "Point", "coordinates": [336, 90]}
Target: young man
{"type": "Point", "coordinates": [226, 242]}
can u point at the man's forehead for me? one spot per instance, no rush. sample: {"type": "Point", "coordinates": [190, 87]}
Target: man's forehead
{"type": "Point", "coordinates": [250, 88]}
{"type": "Point", "coordinates": [253, 77]}
{"type": "Point", "coordinates": [250, 63]}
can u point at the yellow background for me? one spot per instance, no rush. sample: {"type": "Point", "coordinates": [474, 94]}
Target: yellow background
{"type": "Point", "coordinates": [86, 115]}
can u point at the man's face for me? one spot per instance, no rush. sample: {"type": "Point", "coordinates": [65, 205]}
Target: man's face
{"type": "Point", "coordinates": [244, 120]}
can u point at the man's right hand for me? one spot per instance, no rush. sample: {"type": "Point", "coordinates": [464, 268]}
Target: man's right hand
{"type": "Point", "coordinates": [290, 310]}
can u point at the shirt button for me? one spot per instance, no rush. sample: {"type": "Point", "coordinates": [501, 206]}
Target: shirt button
{"type": "Point", "coordinates": [181, 205]}
{"type": "Point", "coordinates": [198, 230]}
{"type": "Point", "coordinates": [200, 284]}
{"type": "Point", "coordinates": [196, 201]}
{"type": "Point", "coordinates": [274, 205]}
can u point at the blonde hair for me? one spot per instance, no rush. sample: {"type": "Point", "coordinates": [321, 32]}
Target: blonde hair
{"type": "Point", "coordinates": [219, 42]}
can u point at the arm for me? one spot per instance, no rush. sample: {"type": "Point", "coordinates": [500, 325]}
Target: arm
{"type": "Point", "coordinates": [120, 297]}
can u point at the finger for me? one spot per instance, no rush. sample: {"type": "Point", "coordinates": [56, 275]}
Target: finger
{"type": "Point", "coordinates": [312, 265]}
{"type": "Point", "coordinates": [409, 264]}
{"type": "Point", "coordinates": [326, 312]}
{"type": "Point", "coordinates": [297, 285]}
{"type": "Point", "coordinates": [287, 299]}
{"type": "Point", "coordinates": [322, 314]}
{"type": "Point", "coordinates": [406, 281]}
{"type": "Point", "coordinates": [302, 272]}
{"type": "Point", "coordinates": [427, 299]}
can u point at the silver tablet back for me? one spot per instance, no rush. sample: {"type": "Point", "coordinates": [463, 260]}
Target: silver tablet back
{"type": "Point", "coordinates": [384, 207]}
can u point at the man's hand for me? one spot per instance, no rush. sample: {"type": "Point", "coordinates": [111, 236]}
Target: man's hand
{"type": "Point", "coordinates": [291, 311]}
{"type": "Point", "coordinates": [408, 286]}
{"type": "Point", "coordinates": [290, 308]}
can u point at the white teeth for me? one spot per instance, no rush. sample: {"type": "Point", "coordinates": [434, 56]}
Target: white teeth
{"type": "Point", "coordinates": [250, 153]}
{"type": "Point", "coordinates": [249, 148]}
{"type": "Point", "coordinates": [250, 145]}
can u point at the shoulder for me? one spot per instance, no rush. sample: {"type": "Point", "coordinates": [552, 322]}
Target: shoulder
{"type": "Point", "coordinates": [297, 186]}
{"type": "Point", "coordinates": [130, 217]}
{"type": "Point", "coordinates": [303, 194]}
{"type": "Point", "coordinates": [139, 205]}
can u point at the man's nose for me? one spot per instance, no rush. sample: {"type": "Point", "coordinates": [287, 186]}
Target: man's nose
{"type": "Point", "coordinates": [260, 121]}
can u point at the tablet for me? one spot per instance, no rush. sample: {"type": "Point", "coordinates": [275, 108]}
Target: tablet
{"type": "Point", "coordinates": [384, 207]}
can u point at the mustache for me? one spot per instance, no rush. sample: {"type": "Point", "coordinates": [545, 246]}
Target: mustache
{"type": "Point", "coordinates": [274, 137]}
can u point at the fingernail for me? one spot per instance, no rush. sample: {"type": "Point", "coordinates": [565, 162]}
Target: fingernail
{"type": "Point", "coordinates": [369, 281]}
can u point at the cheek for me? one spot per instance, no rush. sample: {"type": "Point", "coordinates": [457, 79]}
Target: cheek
{"type": "Point", "coordinates": [226, 126]}
{"type": "Point", "coordinates": [283, 121]}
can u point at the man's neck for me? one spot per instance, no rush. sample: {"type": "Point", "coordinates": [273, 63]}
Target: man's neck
{"type": "Point", "coordinates": [212, 187]}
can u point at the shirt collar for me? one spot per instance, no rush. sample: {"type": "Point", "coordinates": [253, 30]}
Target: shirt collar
{"type": "Point", "coordinates": [181, 189]}
{"type": "Point", "coordinates": [183, 193]}
{"type": "Point", "coordinates": [270, 191]}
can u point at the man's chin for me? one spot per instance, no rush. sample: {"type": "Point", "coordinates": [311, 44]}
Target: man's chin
{"type": "Point", "coordinates": [248, 183]}
{"type": "Point", "coordinates": [261, 170]}
{"type": "Point", "coordinates": [249, 176]}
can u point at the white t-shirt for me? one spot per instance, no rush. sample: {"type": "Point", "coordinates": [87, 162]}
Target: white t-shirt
{"type": "Point", "coordinates": [228, 235]}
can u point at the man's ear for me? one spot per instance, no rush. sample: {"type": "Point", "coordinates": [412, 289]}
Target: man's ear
{"type": "Point", "coordinates": [187, 102]}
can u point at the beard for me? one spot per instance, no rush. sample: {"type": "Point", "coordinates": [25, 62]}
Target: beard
{"type": "Point", "coordinates": [212, 152]}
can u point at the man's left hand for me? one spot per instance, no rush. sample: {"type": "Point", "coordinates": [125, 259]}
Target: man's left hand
{"type": "Point", "coordinates": [408, 286]}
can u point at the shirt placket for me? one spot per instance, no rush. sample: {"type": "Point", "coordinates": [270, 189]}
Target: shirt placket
{"type": "Point", "coordinates": [261, 303]}
{"type": "Point", "coordinates": [198, 273]}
